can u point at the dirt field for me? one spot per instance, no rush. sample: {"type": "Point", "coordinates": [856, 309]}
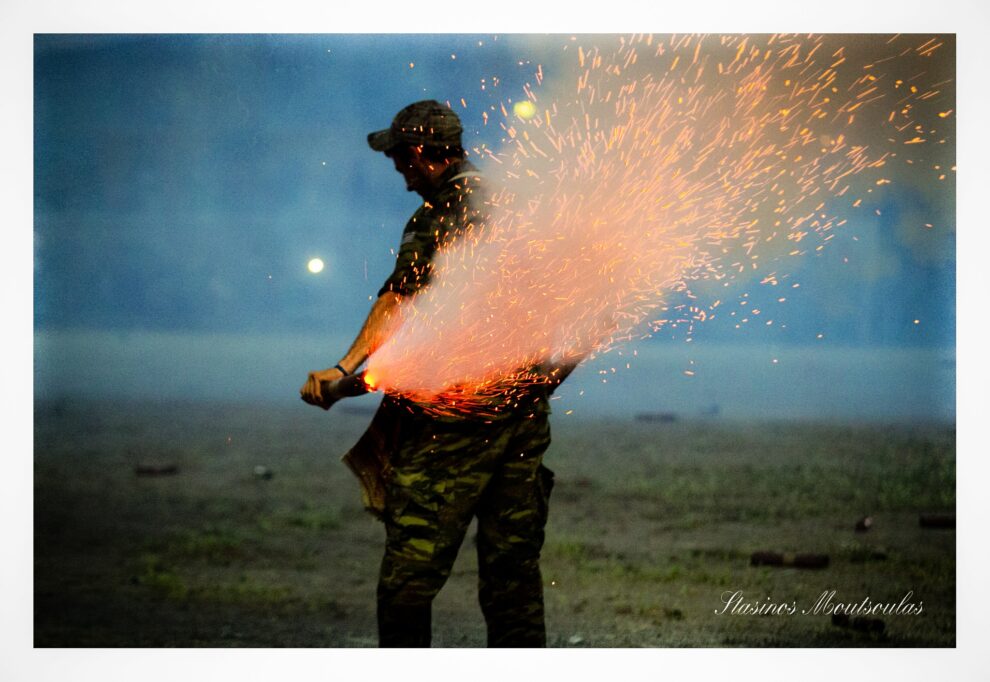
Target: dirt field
{"type": "Point", "coordinates": [650, 524]}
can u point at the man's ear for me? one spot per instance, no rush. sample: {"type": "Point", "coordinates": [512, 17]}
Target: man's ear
{"type": "Point", "coordinates": [415, 154]}
{"type": "Point", "coordinates": [418, 161]}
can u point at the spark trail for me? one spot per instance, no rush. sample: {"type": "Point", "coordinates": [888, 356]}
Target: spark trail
{"type": "Point", "coordinates": [660, 162]}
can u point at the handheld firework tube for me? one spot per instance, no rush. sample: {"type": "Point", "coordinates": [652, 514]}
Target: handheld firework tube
{"type": "Point", "coordinates": [346, 387]}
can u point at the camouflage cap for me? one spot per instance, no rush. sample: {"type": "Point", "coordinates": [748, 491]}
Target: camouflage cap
{"type": "Point", "coordinates": [428, 123]}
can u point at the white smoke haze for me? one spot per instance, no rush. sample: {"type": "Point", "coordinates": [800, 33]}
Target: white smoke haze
{"type": "Point", "coordinates": [655, 163]}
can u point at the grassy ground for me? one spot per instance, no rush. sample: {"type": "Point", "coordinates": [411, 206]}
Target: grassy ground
{"type": "Point", "coordinates": [649, 525]}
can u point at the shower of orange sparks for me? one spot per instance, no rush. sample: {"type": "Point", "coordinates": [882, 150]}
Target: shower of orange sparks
{"type": "Point", "coordinates": [645, 172]}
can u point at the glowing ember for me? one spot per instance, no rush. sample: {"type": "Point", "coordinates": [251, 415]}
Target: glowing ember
{"type": "Point", "coordinates": [524, 109]}
{"type": "Point", "coordinates": [665, 162]}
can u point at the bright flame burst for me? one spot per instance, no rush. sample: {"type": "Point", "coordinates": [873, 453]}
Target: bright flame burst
{"type": "Point", "coordinates": [664, 162]}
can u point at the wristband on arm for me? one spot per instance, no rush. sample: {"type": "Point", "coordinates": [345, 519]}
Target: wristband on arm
{"type": "Point", "coordinates": [342, 370]}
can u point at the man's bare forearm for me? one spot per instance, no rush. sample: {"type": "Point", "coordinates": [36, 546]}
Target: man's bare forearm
{"type": "Point", "coordinates": [376, 328]}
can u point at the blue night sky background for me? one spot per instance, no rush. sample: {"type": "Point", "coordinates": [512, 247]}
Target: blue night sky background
{"type": "Point", "coordinates": [183, 182]}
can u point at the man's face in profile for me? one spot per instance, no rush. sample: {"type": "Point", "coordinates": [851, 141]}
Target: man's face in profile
{"type": "Point", "coordinates": [409, 164]}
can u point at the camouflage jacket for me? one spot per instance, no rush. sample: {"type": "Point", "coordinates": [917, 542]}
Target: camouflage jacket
{"type": "Point", "coordinates": [443, 216]}
{"type": "Point", "coordinates": [453, 210]}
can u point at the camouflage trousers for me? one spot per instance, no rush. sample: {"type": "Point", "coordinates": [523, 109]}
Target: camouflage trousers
{"type": "Point", "coordinates": [443, 475]}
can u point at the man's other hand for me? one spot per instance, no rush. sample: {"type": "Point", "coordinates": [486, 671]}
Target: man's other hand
{"type": "Point", "coordinates": [311, 393]}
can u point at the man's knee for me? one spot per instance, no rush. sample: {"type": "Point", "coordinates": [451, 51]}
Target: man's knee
{"type": "Point", "coordinates": [406, 579]}
{"type": "Point", "coordinates": [512, 526]}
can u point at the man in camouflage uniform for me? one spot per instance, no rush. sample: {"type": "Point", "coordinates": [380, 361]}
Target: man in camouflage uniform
{"type": "Point", "coordinates": [427, 476]}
